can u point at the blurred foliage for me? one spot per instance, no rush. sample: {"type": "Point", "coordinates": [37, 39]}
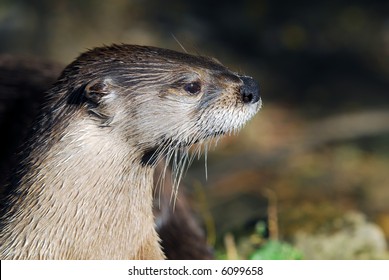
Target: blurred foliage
{"type": "Point", "coordinates": [275, 250]}
{"type": "Point", "coordinates": [319, 145]}
{"type": "Point", "coordinates": [257, 247]}
{"type": "Point", "coordinates": [346, 237]}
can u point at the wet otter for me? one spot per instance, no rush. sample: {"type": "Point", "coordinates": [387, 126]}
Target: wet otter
{"type": "Point", "coordinates": [23, 83]}
{"type": "Point", "coordinates": [84, 187]}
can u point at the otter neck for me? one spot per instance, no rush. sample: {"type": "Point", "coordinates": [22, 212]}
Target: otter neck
{"type": "Point", "coordinates": [80, 196]}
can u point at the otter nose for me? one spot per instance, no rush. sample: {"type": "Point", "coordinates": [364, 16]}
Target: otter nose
{"type": "Point", "coordinates": [249, 90]}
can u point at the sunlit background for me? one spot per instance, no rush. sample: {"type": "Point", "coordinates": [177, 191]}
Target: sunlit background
{"type": "Point", "coordinates": [308, 177]}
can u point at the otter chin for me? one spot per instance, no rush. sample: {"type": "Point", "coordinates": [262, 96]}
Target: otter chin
{"type": "Point", "coordinates": [83, 188]}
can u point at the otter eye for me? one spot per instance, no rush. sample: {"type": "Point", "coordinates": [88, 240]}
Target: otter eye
{"type": "Point", "coordinates": [193, 88]}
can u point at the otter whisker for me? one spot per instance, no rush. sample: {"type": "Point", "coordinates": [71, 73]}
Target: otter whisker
{"type": "Point", "coordinates": [205, 161]}
{"type": "Point", "coordinates": [179, 43]}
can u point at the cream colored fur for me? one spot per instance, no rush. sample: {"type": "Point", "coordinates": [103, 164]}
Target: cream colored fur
{"type": "Point", "coordinates": [87, 183]}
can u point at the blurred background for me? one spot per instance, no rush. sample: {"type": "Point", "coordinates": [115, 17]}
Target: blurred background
{"type": "Point", "coordinates": [308, 177]}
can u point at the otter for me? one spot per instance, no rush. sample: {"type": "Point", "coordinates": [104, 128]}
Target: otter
{"type": "Point", "coordinates": [83, 188]}
{"type": "Point", "coordinates": [23, 85]}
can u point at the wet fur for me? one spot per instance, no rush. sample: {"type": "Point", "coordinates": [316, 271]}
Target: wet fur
{"type": "Point", "coordinates": [85, 159]}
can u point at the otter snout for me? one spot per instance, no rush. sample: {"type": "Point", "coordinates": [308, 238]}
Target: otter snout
{"type": "Point", "coordinates": [249, 90]}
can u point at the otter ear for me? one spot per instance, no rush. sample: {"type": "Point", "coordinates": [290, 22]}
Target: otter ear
{"type": "Point", "coordinates": [97, 89]}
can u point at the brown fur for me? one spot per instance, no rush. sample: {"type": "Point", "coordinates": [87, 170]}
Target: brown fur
{"type": "Point", "coordinates": [84, 187]}
{"type": "Point", "coordinates": [23, 82]}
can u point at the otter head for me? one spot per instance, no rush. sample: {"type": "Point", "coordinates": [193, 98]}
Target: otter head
{"type": "Point", "coordinates": [161, 100]}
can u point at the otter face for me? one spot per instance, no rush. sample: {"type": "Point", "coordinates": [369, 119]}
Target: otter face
{"type": "Point", "coordinates": [163, 100]}
{"type": "Point", "coordinates": [198, 104]}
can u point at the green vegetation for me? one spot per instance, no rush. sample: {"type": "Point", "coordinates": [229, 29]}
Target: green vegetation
{"type": "Point", "coordinates": [276, 250]}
